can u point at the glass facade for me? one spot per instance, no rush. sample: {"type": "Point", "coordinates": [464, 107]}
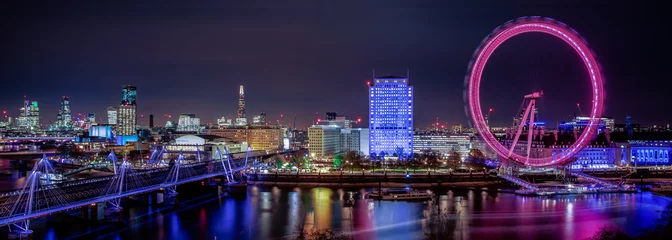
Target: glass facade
{"type": "Point", "coordinates": [128, 95]}
{"type": "Point", "coordinates": [390, 116]}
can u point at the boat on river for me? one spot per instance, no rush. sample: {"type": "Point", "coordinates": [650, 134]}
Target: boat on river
{"type": "Point", "coordinates": [662, 187]}
{"type": "Point", "coordinates": [400, 194]}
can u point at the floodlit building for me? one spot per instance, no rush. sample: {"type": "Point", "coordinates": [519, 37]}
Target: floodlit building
{"type": "Point", "coordinates": [188, 123]}
{"type": "Point", "coordinates": [441, 142]}
{"type": "Point", "coordinates": [127, 115]}
{"type": "Point", "coordinates": [64, 118]}
{"type": "Point", "coordinates": [390, 116]}
{"type": "Point", "coordinates": [267, 138]}
{"type": "Point", "coordinates": [30, 116]}
{"type": "Point", "coordinates": [324, 140]}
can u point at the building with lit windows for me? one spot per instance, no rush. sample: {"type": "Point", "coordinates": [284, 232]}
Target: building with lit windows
{"type": "Point", "coordinates": [64, 118]}
{"type": "Point", "coordinates": [390, 116]}
{"type": "Point", "coordinates": [579, 123]}
{"type": "Point", "coordinates": [266, 138]}
{"type": "Point", "coordinates": [188, 123]}
{"type": "Point", "coordinates": [111, 116]}
{"type": "Point", "coordinates": [441, 143]}
{"type": "Point", "coordinates": [324, 140]}
{"type": "Point", "coordinates": [30, 116]}
{"type": "Point", "coordinates": [127, 116]}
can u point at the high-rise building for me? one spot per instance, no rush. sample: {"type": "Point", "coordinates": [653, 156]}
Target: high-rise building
{"type": "Point", "coordinates": [92, 118]}
{"type": "Point", "coordinates": [241, 117]}
{"type": "Point", "coordinates": [188, 123]}
{"type": "Point", "coordinates": [390, 116]}
{"type": "Point", "coordinates": [111, 116]}
{"type": "Point", "coordinates": [30, 115]}
{"type": "Point", "coordinates": [64, 114]}
{"type": "Point", "coordinates": [260, 119]}
{"type": "Point", "coordinates": [151, 120]}
{"type": "Point", "coordinates": [127, 116]}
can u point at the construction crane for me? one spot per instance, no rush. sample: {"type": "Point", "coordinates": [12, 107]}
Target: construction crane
{"type": "Point", "coordinates": [579, 107]}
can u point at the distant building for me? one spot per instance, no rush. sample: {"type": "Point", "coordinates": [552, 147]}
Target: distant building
{"type": "Point", "coordinates": [127, 115]}
{"type": "Point", "coordinates": [267, 138]}
{"type": "Point", "coordinates": [151, 120]}
{"type": "Point", "coordinates": [259, 119]}
{"type": "Point", "coordinates": [441, 143]}
{"type": "Point", "coordinates": [241, 117]}
{"type": "Point", "coordinates": [103, 131]}
{"type": "Point", "coordinates": [92, 118]}
{"type": "Point", "coordinates": [30, 116]}
{"type": "Point", "coordinates": [64, 117]}
{"type": "Point", "coordinates": [111, 116]}
{"type": "Point", "coordinates": [188, 123]}
{"type": "Point", "coordinates": [390, 116]}
{"type": "Point", "coordinates": [349, 140]}
{"type": "Point", "coordinates": [223, 122]}
{"type": "Point", "coordinates": [579, 123]}
{"type": "Point", "coordinates": [324, 140]}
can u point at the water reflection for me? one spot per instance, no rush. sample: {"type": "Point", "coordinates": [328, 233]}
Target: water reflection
{"type": "Point", "coordinates": [279, 213]}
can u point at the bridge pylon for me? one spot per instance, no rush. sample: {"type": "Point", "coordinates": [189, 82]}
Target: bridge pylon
{"type": "Point", "coordinates": [38, 193]}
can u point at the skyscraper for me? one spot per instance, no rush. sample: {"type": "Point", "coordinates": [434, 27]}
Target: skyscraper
{"type": "Point", "coordinates": [151, 120]}
{"type": "Point", "coordinates": [30, 115]}
{"type": "Point", "coordinates": [111, 116]}
{"type": "Point", "coordinates": [64, 114]}
{"type": "Point", "coordinates": [241, 118]}
{"type": "Point", "coordinates": [127, 117]}
{"type": "Point", "coordinates": [390, 116]}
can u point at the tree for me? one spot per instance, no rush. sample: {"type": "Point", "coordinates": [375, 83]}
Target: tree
{"type": "Point", "coordinates": [399, 152]}
{"type": "Point", "coordinates": [67, 150]}
{"type": "Point", "coordinates": [454, 159]}
{"type": "Point", "coordinates": [279, 162]}
{"type": "Point", "coordinates": [306, 163]}
{"type": "Point", "coordinates": [338, 160]}
{"type": "Point", "coordinates": [610, 233]}
{"type": "Point", "coordinates": [476, 158]}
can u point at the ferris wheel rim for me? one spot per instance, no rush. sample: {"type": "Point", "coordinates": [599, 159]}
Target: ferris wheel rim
{"type": "Point", "coordinates": [480, 58]}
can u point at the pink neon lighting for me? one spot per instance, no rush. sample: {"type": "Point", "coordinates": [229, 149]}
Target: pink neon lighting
{"type": "Point", "coordinates": [499, 36]}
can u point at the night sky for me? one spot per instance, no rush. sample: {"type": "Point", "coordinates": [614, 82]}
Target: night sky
{"type": "Point", "coordinates": [302, 57]}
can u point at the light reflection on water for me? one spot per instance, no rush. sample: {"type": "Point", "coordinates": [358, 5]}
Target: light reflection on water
{"type": "Point", "coordinates": [278, 213]}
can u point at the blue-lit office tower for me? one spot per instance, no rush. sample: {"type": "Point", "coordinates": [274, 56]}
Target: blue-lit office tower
{"type": "Point", "coordinates": [390, 116]}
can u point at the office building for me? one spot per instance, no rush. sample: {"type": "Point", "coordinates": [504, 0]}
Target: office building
{"type": "Point", "coordinates": [64, 118]}
{"type": "Point", "coordinates": [324, 141]}
{"type": "Point", "coordinates": [259, 119]}
{"type": "Point", "coordinates": [111, 116]}
{"type": "Point", "coordinates": [266, 138]}
{"type": "Point", "coordinates": [30, 116]}
{"type": "Point", "coordinates": [390, 116]}
{"type": "Point", "coordinates": [91, 118]}
{"type": "Point", "coordinates": [127, 116]}
{"type": "Point", "coordinates": [441, 142]}
{"type": "Point", "coordinates": [188, 123]}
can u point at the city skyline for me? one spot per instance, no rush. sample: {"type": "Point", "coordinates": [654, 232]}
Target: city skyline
{"type": "Point", "coordinates": [87, 66]}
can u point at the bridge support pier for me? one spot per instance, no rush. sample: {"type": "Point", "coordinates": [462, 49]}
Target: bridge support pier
{"type": "Point", "coordinates": [93, 212]}
{"type": "Point", "coordinates": [154, 198]}
{"type": "Point", "coordinates": [20, 230]}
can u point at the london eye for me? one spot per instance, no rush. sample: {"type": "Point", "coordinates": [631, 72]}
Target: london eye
{"type": "Point", "coordinates": [473, 81]}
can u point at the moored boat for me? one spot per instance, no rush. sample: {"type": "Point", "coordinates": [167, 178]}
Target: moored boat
{"type": "Point", "coordinates": [400, 194]}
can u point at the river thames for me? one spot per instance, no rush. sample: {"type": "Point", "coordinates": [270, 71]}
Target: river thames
{"type": "Point", "coordinates": [279, 213]}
